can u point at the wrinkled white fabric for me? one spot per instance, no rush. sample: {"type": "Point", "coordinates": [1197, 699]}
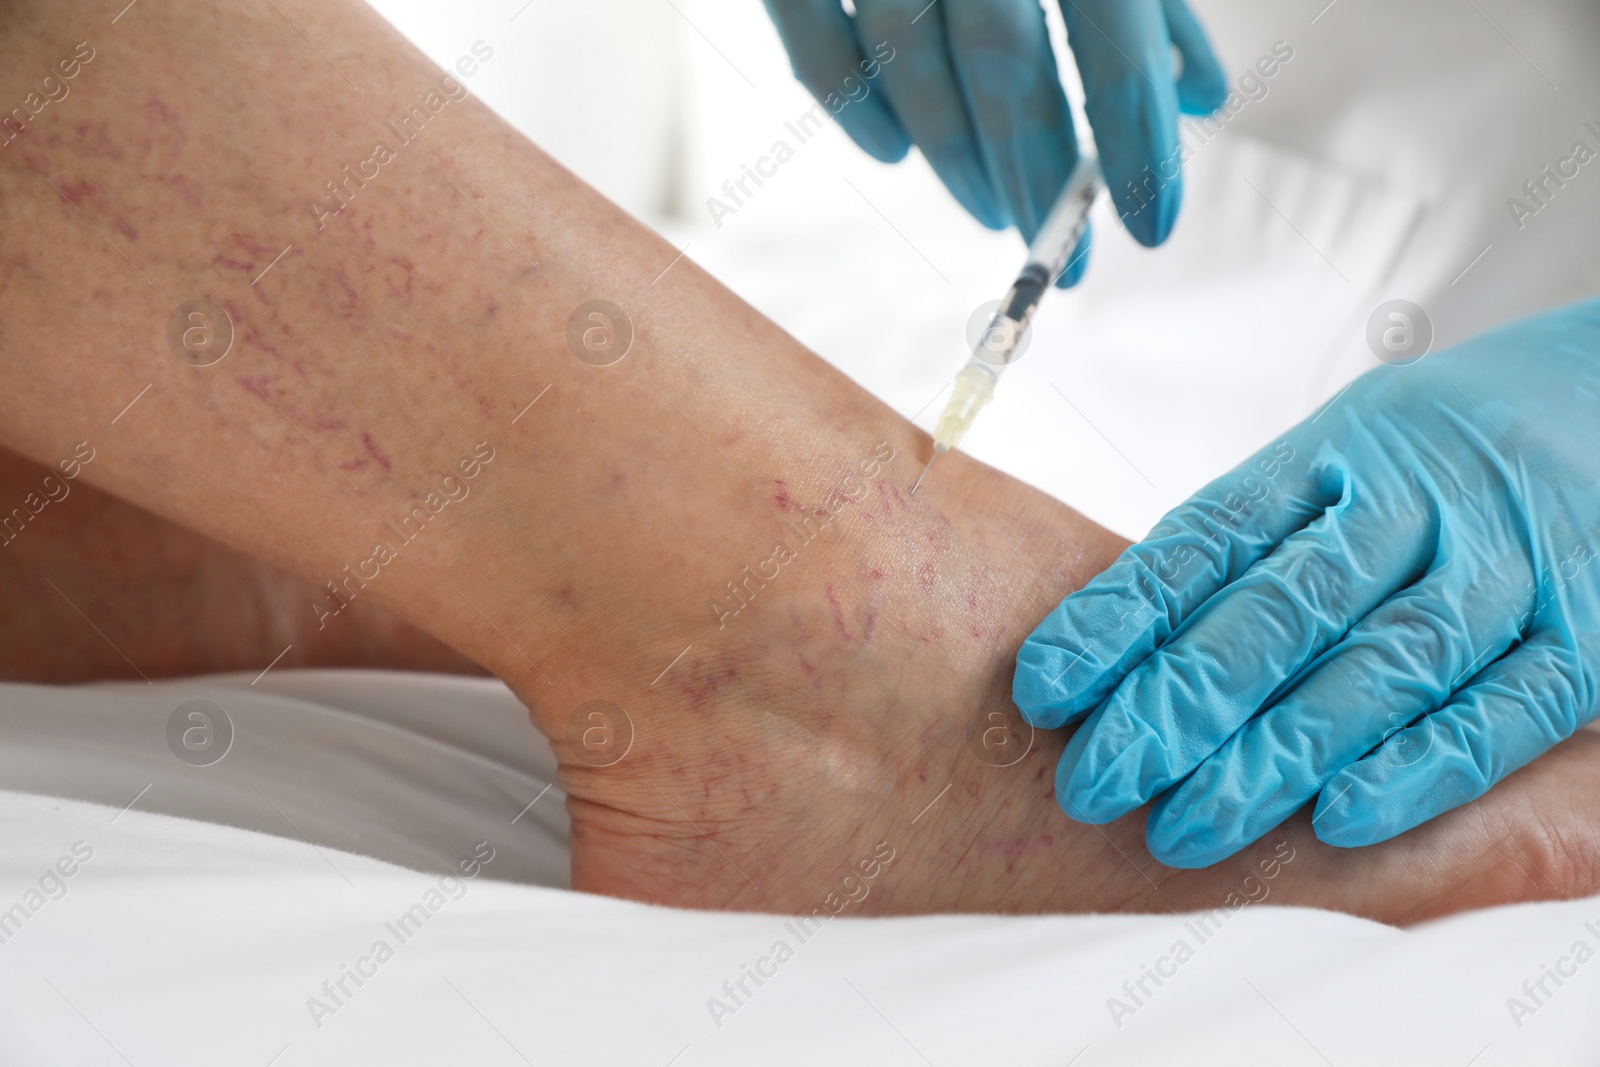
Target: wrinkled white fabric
{"type": "Point", "coordinates": [183, 938]}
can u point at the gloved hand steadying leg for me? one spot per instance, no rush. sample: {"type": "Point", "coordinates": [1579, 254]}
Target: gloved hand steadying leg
{"type": "Point", "coordinates": [1389, 610]}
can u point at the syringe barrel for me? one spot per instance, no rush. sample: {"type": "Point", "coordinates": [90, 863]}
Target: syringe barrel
{"type": "Point", "coordinates": [1047, 257]}
{"type": "Point", "coordinates": [1064, 224]}
{"type": "Point", "coordinates": [996, 347]}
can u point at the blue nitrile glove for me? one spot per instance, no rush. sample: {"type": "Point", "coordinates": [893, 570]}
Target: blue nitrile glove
{"type": "Point", "coordinates": [1390, 609]}
{"type": "Point", "coordinates": [974, 84]}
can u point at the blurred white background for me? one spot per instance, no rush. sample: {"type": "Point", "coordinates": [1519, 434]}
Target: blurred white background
{"type": "Point", "coordinates": [1378, 166]}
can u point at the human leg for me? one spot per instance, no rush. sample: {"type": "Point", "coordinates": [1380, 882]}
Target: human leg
{"type": "Point", "coordinates": [711, 535]}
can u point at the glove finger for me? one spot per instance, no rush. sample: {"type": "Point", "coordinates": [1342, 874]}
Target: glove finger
{"type": "Point", "coordinates": [825, 55]}
{"type": "Point", "coordinates": [1202, 86]}
{"type": "Point", "coordinates": [1400, 662]}
{"type": "Point", "coordinates": [1124, 54]}
{"type": "Point", "coordinates": [1002, 56]}
{"type": "Point", "coordinates": [926, 95]}
{"type": "Point", "coordinates": [1515, 710]}
{"type": "Point", "coordinates": [1088, 644]}
{"type": "Point", "coordinates": [1228, 662]}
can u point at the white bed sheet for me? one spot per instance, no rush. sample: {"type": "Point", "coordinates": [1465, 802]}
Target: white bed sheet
{"type": "Point", "coordinates": [216, 904]}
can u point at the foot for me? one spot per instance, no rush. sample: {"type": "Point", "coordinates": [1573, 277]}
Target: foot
{"type": "Point", "coordinates": [857, 708]}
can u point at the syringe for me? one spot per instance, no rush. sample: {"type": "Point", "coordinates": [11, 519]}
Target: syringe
{"type": "Point", "coordinates": [1047, 257]}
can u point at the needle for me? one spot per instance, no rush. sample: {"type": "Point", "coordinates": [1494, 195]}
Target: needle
{"type": "Point", "coordinates": [925, 470]}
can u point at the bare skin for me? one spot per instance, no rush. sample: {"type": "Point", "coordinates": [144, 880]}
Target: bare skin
{"type": "Point", "coordinates": [384, 365]}
{"type": "Point", "coordinates": [96, 588]}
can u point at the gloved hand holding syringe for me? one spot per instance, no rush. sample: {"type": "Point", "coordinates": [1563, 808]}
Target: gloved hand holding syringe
{"type": "Point", "coordinates": [1047, 258]}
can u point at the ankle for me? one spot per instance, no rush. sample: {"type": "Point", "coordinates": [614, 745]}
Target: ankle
{"type": "Point", "coordinates": [854, 674]}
